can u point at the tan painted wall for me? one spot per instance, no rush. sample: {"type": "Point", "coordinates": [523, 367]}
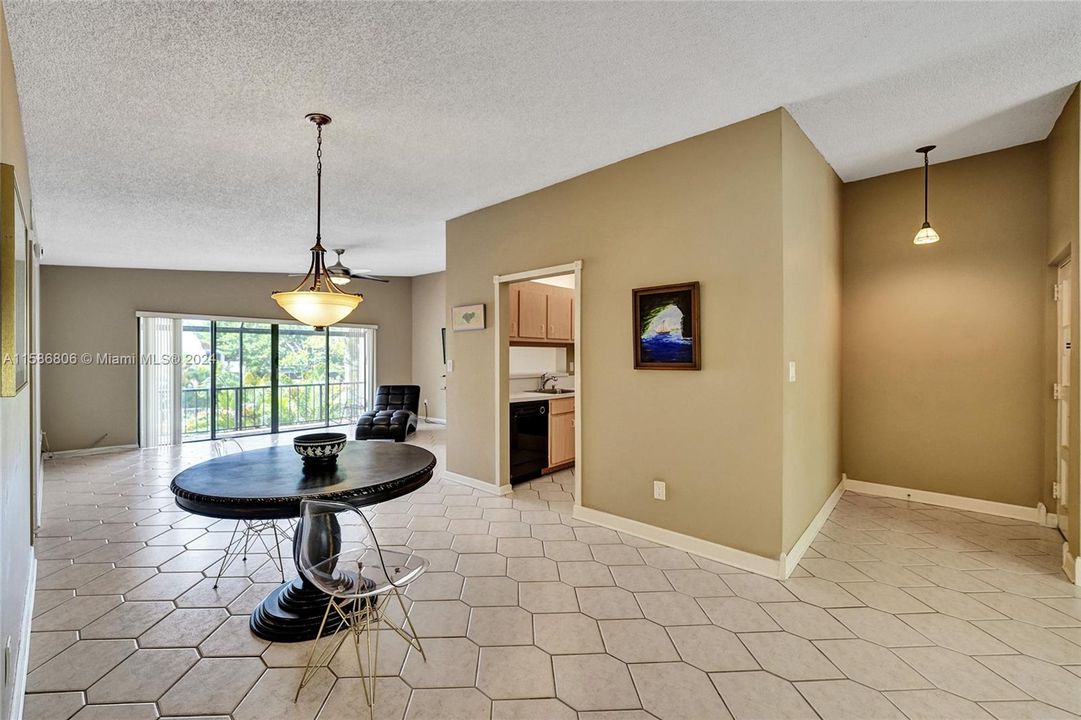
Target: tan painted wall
{"type": "Point", "coordinates": [93, 310]}
{"type": "Point", "coordinates": [15, 560]}
{"type": "Point", "coordinates": [812, 329]}
{"type": "Point", "coordinates": [943, 359]}
{"type": "Point", "coordinates": [1064, 221]}
{"type": "Point", "coordinates": [1062, 193]}
{"type": "Point", "coordinates": [707, 209]}
{"type": "Point", "coordinates": [429, 317]}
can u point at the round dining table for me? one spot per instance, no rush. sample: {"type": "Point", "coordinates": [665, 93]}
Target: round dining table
{"type": "Point", "coordinates": [270, 483]}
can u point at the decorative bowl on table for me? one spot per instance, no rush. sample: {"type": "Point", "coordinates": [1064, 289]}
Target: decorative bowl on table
{"type": "Point", "coordinates": [319, 447]}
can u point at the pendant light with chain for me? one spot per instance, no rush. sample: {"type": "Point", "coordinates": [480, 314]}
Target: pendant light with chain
{"type": "Point", "coordinates": [317, 300]}
{"type": "Point", "coordinates": [926, 234]}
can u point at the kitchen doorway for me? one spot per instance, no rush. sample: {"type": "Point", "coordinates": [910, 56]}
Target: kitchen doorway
{"type": "Point", "coordinates": [538, 392]}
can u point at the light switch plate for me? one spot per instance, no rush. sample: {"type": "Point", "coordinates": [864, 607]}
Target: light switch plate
{"type": "Point", "coordinates": [659, 490]}
{"type": "Point", "coordinates": [791, 371]}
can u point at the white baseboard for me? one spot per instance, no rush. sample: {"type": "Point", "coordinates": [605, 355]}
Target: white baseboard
{"type": "Point", "coordinates": [1071, 565]}
{"type": "Point", "coordinates": [89, 451]}
{"type": "Point", "coordinates": [956, 502]}
{"type": "Point", "coordinates": [435, 421]}
{"type": "Point", "coordinates": [791, 559]}
{"type": "Point", "coordinates": [769, 567]}
{"type": "Point", "coordinates": [477, 484]}
{"type": "Point", "coordinates": [22, 663]}
{"type": "Point", "coordinates": [1047, 519]}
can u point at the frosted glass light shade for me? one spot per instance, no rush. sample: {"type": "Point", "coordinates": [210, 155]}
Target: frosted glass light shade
{"type": "Point", "coordinates": [317, 308]}
{"type": "Point", "coordinates": [926, 236]}
{"type": "Point", "coordinates": [340, 279]}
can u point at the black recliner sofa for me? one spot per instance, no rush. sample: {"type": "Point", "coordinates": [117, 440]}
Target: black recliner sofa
{"type": "Point", "coordinates": [393, 415]}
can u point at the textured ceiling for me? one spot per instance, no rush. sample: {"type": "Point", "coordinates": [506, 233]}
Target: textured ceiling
{"type": "Point", "coordinates": [170, 134]}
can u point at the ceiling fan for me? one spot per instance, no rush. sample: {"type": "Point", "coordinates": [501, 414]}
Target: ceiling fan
{"type": "Point", "coordinates": [340, 274]}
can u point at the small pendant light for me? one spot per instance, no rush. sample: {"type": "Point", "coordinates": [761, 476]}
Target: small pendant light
{"type": "Point", "coordinates": [927, 234]}
{"type": "Point", "coordinates": [317, 301]}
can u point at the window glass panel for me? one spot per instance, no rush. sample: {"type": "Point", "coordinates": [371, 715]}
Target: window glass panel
{"type": "Point", "coordinates": [243, 374]}
{"type": "Point", "coordinates": [195, 379]}
{"type": "Point", "coordinates": [348, 374]}
{"type": "Point", "coordinates": [302, 376]}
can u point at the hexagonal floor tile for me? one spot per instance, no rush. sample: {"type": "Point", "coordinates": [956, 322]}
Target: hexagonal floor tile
{"type": "Point", "coordinates": [567, 634]}
{"type": "Point", "coordinates": [637, 641]}
{"type": "Point", "coordinates": [452, 662]}
{"type": "Point", "coordinates": [143, 677]}
{"type": "Point", "coordinates": [461, 704]}
{"type": "Point", "coordinates": [758, 694]}
{"type": "Point", "coordinates": [507, 673]}
{"type": "Point", "coordinates": [789, 656]}
{"type": "Point", "coordinates": [594, 682]}
{"type": "Point", "coordinates": [500, 626]}
{"type": "Point", "coordinates": [711, 648]}
{"type": "Point", "coordinates": [213, 686]}
{"type": "Point", "coordinates": [547, 597]}
{"type": "Point", "coordinates": [675, 691]}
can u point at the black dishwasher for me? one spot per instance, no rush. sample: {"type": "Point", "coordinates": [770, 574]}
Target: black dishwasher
{"type": "Point", "coordinates": [528, 439]}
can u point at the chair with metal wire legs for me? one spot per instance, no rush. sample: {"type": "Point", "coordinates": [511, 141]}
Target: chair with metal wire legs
{"type": "Point", "coordinates": [247, 532]}
{"type": "Point", "coordinates": [362, 579]}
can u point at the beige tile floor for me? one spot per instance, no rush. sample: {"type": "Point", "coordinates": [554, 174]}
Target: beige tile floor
{"type": "Point", "coordinates": [899, 610]}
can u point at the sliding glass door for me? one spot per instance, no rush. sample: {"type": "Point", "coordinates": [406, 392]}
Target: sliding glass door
{"type": "Point", "coordinates": [302, 377]}
{"type": "Point", "coordinates": [243, 377]}
{"type": "Point", "coordinates": [195, 378]}
{"type": "Point", "coordinates": [349, 353]}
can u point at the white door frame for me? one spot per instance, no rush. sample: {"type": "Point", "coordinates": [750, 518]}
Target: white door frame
{"type": "Point", "coordinates": [1066, 293]}
{"type": "Point", "coordinates": [501, 339]}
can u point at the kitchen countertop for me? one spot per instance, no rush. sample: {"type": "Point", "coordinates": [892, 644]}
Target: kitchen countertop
{"type": "Point", "coordinates": [518, 397]}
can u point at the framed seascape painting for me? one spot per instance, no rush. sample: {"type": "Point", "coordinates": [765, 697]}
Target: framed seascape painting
{"type": "Point", "coordinates": [14, 317]}
{"type": "Point", "coordinates": [666, 327]}
{"type": "Point", "coordinates": [467, 317]}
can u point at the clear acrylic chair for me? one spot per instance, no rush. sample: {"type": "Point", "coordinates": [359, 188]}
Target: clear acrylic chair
{"type": "Point", "coordinates": [361, 578]}
{"type": "Point", "coordinates": [247, 532]}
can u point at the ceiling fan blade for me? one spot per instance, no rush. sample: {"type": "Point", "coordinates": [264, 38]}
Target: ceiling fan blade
{"type": "Point", "coordinates": [368, 277]}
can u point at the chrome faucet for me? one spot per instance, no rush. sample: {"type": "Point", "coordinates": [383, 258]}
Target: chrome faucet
{"type": "Point", "coordinates": [549, 377]}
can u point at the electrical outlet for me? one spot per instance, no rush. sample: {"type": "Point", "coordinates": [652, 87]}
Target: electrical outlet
{"type": "Point", "coordinates": [659, 490]}
{"type": "Point", "coordinates": [791, 371]}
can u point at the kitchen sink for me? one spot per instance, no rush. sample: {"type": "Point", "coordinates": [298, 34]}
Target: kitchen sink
{"type": "Point", "coordinates": [554, 391]}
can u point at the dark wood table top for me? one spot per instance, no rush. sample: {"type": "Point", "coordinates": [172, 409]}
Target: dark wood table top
{"type": "Point", "coordinates": [269, 483]}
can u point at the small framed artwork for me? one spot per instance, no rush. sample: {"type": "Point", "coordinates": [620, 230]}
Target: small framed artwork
{"type": "Point", "coordinates": [14, 287]}
{"type": "Point", "coordinates": [467, 317]}
{"type": "Point", "coordinates": [666, 327]}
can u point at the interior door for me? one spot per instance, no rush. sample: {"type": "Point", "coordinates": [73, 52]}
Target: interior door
{"type": "Point", "coordinates": [1062, 391]}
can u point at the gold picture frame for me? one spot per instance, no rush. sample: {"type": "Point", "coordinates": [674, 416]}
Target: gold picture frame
{"type": "Point", "coordinates": [14, 287]}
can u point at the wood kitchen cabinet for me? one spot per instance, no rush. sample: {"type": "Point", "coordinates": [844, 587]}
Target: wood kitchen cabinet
{"type": "Point", "coordinates": [532, 312]}
{"type": "Point", "coordinates": [514, 291]}
{"type": "Point", "coordinates": [542, 313]}
{"type": "Point", "coordinates": [560, 319]}
{"type": "Point", "coordinates": [560, 432]}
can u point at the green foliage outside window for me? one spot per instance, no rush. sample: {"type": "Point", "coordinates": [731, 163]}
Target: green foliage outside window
{"type": "Point", "coordinates": [243, 376]}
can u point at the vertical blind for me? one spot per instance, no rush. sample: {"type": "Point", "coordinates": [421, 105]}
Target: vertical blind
{"type": "Point", "coordinates": [159, 381]}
